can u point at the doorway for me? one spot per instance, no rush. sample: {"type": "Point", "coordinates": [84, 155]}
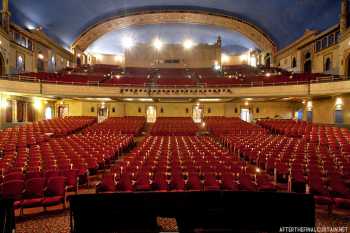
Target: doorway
{"type": "Point", "coordinates": [62, 111]}
{"type": "Point", "coordinates": [245, 114]}
{"type": "Point", "coordinates": [2, 65]}
{"type": "Point", "coordinates": [48, 113]}
{"type": "Point", "coordinates": [197, 114]}
{"type": "Point", "coordinates": [102, 113]}
{"type": "Point", "coordinates": [309, 116]}
{"type": "Point", "coordinates": [339, 117]}
{"type": "Point", "coordinates": [151, 114]}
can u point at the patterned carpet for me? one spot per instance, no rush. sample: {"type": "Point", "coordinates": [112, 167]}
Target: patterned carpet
{"type": "Point", "coordinates": [58, 222]}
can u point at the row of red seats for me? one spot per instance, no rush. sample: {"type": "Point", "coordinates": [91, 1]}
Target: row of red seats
{"type": "Point", "coordinates": [36, 192]}
{"type": "Point", "coordinates": [177, 126]}
{"type": "Point", "coordinates": [37, 132]}
{"type": "Point", "coordinates": [85, 152]}
{"type": "Point", "coordinates": [67, 78]}
{"type": "Point", "coordinates": [232, 75]}
{"type": "Point", "coordinates": [182, 163]}
{"type": "Point", "coordinates": [127, 80]}
{"type": "Point", "coordinates": [259, 80]}
{"type": "Point", "coordinates": [305, 166]}
{"type": "Point", "coordinates": [321, 134]}
{"type": "Point", "coordinates": [122, 125]}
{"type": "Point", "coordinates": [230, 125]}
{"type": "Point", "coordinates": [176, 81]}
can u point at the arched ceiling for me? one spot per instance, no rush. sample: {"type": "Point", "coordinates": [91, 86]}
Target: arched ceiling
{"type": "Point", "coordinates": [283, 20]}
{"type": "Point", "coordinates": [161, 17]}
{"type": "Point", "coordinates": [232, 42]}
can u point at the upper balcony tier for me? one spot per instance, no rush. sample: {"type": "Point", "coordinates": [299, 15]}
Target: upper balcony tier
{"type": "Point", "coordinates": [91, 87]}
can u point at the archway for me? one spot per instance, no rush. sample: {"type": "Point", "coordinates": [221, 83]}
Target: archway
{"type": "Point", "coordinates": [151, 114]}
{"type": "Point", "coordinates": [327, 65]}
{"type": "Point", "coordinates": [307, 66]}
{"type": "Point", "coordinates": [267, 60]}
{"type": "Point", "coordinates": [197, 114]}
{"type": "Point", "coordinates": [2, 65]}
{"type": "Point", "coordinates": [294, 62]}
{"type": "Point", "coordinates": [347, 64]}
{"type": "Point", "coordinates": [48, 113]}
{"type": "Point", "coordinates": [307, 63]}
{"type": "Point", "coordinates": [249, 30]}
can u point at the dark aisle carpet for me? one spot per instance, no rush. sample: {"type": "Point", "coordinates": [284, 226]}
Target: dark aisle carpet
{"type": "Point", "coordinates": [59, 223]}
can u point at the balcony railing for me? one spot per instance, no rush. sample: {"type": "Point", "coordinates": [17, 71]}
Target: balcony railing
{"type": "Point", "coordinates": [325, 79]}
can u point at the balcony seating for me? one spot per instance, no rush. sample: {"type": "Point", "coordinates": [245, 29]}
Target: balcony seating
{"type": "Point", "coordinates": [67, 78]}
{"type": "Point", "coordinates": [239, 75]}
{"type": "Point", "coordinates": [126, 81]}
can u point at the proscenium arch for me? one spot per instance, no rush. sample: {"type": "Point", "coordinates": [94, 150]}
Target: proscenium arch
{"type": "Point", "coordinates": [249, 30]}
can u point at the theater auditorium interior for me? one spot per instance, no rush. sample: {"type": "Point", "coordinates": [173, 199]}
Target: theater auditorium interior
{"type": "Point", "coordinates": [174, 116]}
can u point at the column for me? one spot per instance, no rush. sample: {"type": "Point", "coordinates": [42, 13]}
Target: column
{"type": "Point", "coordinates": [344, 15]}
{"type": "Point", "coordinates": [25, 112]}
{"type": "Point", "coordinates": [5, 14]}
{"type": "Point", "coordinates": [14, 111]}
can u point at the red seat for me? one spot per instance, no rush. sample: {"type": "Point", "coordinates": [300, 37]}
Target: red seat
{"type": "Point", "coordinates": [55, 192]}
{"type": "Point", "coordinates": [13, 190]}
{"type": "Point", "coordinates": [246, 183]}
{"type": "Point", "coordinates": [34, 192]}
{"type": "Point", "coordinates": [108, 183]}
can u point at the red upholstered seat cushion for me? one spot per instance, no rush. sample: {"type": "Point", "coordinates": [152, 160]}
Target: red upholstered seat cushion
{"type": "Point", "coordinates": [32, 202]}
{"type": "Point", "coordinates": [49, 201]}
{"type": "Point", "coordinates": [342, 203]}
{"type": "Point", "coordinates": [17, 204]}
{"type": "Point", "coordinates": [323, 200]}
{"type": "Point", "coordinates": [267, 187]}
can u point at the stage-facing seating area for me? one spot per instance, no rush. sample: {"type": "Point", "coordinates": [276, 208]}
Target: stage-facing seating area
{"type": "Point", "coordinates": [236, 156]}
{"type": "Point", "coordinates": [230, 125]}
{"type": "Point", "coordinates": [122, 125]}
{"type": "Point", "coordinates": [31, 134]}
{"type": "Point", "coordinates": [314, 133]}
{"type": "Point", "coordinates": [183, 163]}
{"type": "Point", "coordinates": [239, 75]}
{"type": "Point", "coordinates": [176, 126]}
{"type": "Point", "coordinates": [39, 174]}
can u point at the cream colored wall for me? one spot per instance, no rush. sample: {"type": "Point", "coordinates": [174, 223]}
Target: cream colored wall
{"type": "Point", "coordinates": [233, 60]}
{"type": "Point", "coordinates": [323, 110]}
{"type": "Point", "coordinates": [108, 59]}
{"type": "Point", "coordinates": [284, 110]}
{"type": "Point", "coordinates": [319, 60]}
{"type": "Point", "coordinates": [266, 109]}
{"type": "Point", "coordinates": [28, 56]}
{"type": "Point", "coordinates": [5, 51]}
{"type": "Point", "coordinates": [144, 55]}
{"type": "Point", "coordinates": [118, 107]}
{"type": "Point", "coordinates": [343, 53]}
{"type": "Point", "coordinates": [75, 108]}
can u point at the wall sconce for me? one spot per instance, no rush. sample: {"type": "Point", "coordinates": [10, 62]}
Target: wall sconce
{"type": "Point", "coordinates": [339, 103]}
